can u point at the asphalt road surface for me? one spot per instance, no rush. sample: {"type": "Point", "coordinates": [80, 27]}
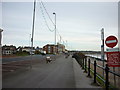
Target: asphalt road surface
{"type": "Point", "coordinates": [56, 74]}
{"type": "Point", "coordinates": [19, 58]}
{"type": "Point", "coordinates": [60, 73]}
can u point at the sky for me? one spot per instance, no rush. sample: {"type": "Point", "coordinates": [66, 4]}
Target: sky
{"type": "Point", "coordinates": [78, 23]}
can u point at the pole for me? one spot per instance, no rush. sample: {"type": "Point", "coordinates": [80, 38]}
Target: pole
{"type": "Point", "coordinates": [0, 36]}
{"type": "Point", "coordinates": [66, 44]}
{"type": "Point", "coordinates": [1, 58]}
{"type": "Point", "coordinates": [119, 40]}
{"type": "Point", "coordinates": [29, 39]}
{"type": "Point", "coordinates": [88, 67]}
{"type": "Point", "coordinates": [85, 64]}
{"type": "Point", "coordinates": [33, 27]}
{"type": "Point", "coordinates": [55, 27]}
{"type": "Point", "coordinates": [95, 71]}
{"type": "Point", "coordinates": [102, 48]}
{"type": "Point", "coordinates": [107, 77]}
{"type": "Point", "coordinates": [55, 32]}
{"type": "Point", "coordinates": [114, 77]}
{"type": "Point", "coordinates": [60, 39]}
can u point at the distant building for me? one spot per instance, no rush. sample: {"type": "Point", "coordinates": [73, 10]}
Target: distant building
{"type": "Point", "coordinates": [28, 49]}
{"type": "Point", "coordinates": [60, 48]}
{"type": "Point", "coordinates": [50, 49]}
{"type": "Point", "coordinates": [53, 49]}
{"type": "Point", "coordinates": [8, 50]}
{"type": "Point", "coordinates": [38, 49]}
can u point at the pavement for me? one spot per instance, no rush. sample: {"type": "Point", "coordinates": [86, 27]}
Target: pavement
{"type": "Point", "coordinates": [81, 79]}
{"type": "Point", "coordinates": [60, 73]}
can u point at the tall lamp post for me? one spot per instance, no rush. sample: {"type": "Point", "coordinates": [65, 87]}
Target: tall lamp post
{"type": "Point", "coordinates": [0, 58]}
{"type": "Point", "coordinates": [33, 27]}
{"type": "Point", "coordinates": [0, 35]}
{"type": "Point", "coordinates": [55, 31]}
{"type": "Point", "coordinates": [55, 27]}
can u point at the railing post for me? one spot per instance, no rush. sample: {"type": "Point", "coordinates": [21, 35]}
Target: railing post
{"type": "Point", "coordinates": [80, 62]}
{"type": "Point", "coordinates": [85, 64]}
{"type": "Point", "coordinates": [95, 71]}
{"type": "Point", "coordinates": [107, 77]}
{"type": "Point", "coordinates": [89, 67]}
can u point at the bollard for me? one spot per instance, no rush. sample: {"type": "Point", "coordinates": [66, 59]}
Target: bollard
{"type": "Point", "coordinates": [95, 71]}
{"type": "Point", "coordinates": [89, 67]}
{"type": "Point", "coordinates": [85, 64]}
{"type": "Point", "coordinates": [107, 77]}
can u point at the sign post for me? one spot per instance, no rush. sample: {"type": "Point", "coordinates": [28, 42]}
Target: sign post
{"type": "Point", "coordinates": [113, 54]}
{"type": "Point", "coordinates": [102, 48]}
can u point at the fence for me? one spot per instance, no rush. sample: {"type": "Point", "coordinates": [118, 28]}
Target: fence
{"type": "Point", "coordinates": [91, 66]}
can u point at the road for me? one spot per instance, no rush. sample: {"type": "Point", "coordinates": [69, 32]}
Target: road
{"type": "Point", "coordinates": [59, 73]}
{"type": "Point", "coordinates": [19, 58]}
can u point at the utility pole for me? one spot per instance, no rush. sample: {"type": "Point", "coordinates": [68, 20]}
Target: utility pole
{"type": "Point", "coordinates": [102, 48]}
{"type": "Point", "coordinates": [33, 27]}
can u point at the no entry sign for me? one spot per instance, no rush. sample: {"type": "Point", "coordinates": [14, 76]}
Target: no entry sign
{"type": "Point", "coordinates": [111, 41]}
{"type": "Point", "coordinates": [113, 57]}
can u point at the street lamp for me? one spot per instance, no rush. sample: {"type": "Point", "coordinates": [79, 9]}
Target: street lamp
{"type": "Point", "coordinates": [55, 31]}
{"type": "Point", "coordinates": [55, 27]}
{"type": "Point", "coordinates": [33, 27]}
{"type": "Point", "coordinates": [0, 55]}
{"type": "Point", "coordinates": [0, 35]}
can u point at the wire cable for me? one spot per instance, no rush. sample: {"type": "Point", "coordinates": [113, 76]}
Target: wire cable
{"type": "Point", "coordinates": [42, 4]}
{"type": "Point", "coordinates": [47, 13]}
{"type": "Point", "coordinates": [45, 18]}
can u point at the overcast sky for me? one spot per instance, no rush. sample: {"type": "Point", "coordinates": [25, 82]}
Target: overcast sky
{"type": "Point", "coordinates": [79, 23]}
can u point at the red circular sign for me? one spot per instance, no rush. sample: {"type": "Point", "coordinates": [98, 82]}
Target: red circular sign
{"type": "Point", "coordinates": [111, 41]}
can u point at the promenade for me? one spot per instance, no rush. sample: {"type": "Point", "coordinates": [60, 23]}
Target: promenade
{"type": "Point", "coordinates": [60, 73]}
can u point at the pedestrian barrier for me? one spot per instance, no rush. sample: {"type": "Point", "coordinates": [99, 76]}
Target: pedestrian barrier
{"type": "Point", "coordinates": [86, 65]}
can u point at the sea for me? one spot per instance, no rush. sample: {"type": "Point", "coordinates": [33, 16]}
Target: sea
{"type": "Point", "coordinates": [96, 55]}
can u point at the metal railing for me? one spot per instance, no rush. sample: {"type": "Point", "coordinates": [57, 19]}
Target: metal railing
{"type": "Point", "coordinates": [86, 65]}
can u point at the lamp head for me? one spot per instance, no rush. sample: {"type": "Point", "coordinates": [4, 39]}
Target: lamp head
{"type": "Point", "coordinates": [54, 13]}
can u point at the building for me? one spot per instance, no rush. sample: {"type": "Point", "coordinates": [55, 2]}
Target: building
{"type": "Point", "coordinates": [50, 49]}
{"type": "Point", "coordinates": [26, 49]}
{"type": "Point", "coordinates": [60, 48]}
{"type": "Point", "coordinates": [8, 50]}
{"type": "Point", "coordinates": [38, 49]}
{"type": "Point", "coordinates": [53, 49]}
